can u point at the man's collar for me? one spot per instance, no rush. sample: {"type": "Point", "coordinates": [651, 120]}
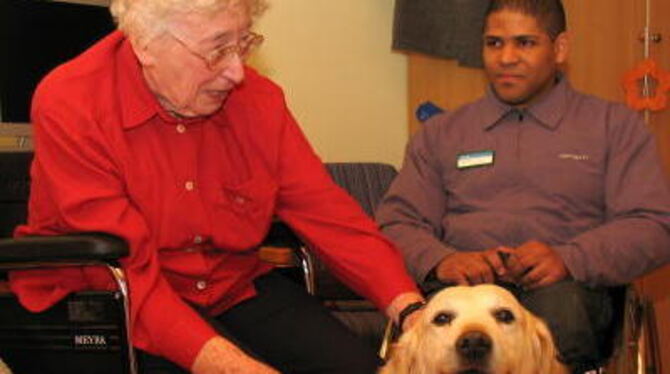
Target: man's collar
{"type": "Point", "coordinates": [548, 110]}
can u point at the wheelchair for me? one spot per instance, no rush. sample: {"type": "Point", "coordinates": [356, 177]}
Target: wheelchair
{"type": "Point", "coordinates": [88, 332]}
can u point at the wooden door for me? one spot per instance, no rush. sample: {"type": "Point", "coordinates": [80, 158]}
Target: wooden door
{"type": "Point", "coordinates": [656, 286]}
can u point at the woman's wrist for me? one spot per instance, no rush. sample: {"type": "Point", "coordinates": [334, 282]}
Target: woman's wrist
{"type": "Point", "coordinates": [401, 303]}
{"type": "Point", "coordinates": [408, 311]}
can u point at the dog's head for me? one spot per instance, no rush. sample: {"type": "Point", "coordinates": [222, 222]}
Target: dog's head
{"type": "Point", "coordinates": [475, 330]}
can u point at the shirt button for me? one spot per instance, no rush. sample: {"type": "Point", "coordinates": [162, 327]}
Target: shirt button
{"type": "Point", "coordinates": [197, 239]}
{"type": "Point", "coordinates": [200, 285]}
{"type": "Point", "coordinates": [181, 128]}
{"type": "Point", "coordinates": [189, 185]}
{"type": "Point", "coordinates": [240, 200]}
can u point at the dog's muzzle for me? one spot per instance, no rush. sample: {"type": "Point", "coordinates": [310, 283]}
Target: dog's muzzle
{"type": "Point", "coordinates": [474, 347]}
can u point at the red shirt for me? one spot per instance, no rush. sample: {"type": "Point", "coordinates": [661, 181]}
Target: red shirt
{"type": "Point", "coordinates": [193, 198]}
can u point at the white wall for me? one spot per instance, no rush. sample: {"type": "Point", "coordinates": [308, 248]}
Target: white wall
{"type": "Point", "coordinates": [342, 81]}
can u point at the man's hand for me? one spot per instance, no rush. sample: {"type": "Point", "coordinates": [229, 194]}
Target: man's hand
{"type": "Point", "coordinates": [470, 268]}
{"type": "Point", "coordinates": [220, 356]}
{"type": "Point", "coordinates": [534, 265]}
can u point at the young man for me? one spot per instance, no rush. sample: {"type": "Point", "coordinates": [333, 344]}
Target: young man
{"type": "Point", "coordinates": [566, 186]}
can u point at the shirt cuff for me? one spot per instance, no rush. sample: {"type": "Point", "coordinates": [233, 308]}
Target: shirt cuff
{"type": "Point", "coordinates": [573, 259]}
{"type": "Point", "coordinates": [186, 341]}
{"type": "Point", "coordinates": [430, 283]}
{"type": "Point", "coordinates": [176, 332]}
{"type": "Point", "coordinates": [429, 260]}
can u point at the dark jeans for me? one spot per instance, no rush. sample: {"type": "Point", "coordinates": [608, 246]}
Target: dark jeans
{"type": "Point", "coordinates": [288, 329]}
{"type": "Point", "coordinates": [579, 317]}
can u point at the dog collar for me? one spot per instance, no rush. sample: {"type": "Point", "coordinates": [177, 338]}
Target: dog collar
{"type": "Point", "coordinates": [409, 309]}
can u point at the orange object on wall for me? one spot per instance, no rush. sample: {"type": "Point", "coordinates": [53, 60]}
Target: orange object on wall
{"type": "Point", "coordinates": [656, 101]}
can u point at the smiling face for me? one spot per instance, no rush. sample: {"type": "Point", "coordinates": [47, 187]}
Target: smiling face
{"type": "Point", "coordinates": [175, 67]}
{"type": "Point", "coordinates": [475, 330]}
{"type": "Point", "coordinates": [520, 59]}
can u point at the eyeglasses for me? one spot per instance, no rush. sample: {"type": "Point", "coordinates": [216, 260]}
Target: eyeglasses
{"type": "Point", "coordinates": [221, 57]}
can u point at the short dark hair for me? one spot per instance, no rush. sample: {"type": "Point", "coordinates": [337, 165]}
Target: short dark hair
{"type": "Point", "coordinates": [550, 14]}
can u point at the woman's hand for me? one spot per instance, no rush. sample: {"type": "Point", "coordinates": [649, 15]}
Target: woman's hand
{"type": "Point", "coordinates": [401, 302]}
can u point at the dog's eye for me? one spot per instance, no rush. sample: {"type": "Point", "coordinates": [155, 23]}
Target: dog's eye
{"type": "Point", "coordinates": [504, 315]}
{"type": "Point", "coordinates": [443, 318]}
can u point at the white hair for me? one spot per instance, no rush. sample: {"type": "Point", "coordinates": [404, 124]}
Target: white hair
{"type": "Point", "coordinates": [145, 19]}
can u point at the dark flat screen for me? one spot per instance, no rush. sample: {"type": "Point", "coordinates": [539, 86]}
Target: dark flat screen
{"type": "Point", "coordinates": [35, 37]}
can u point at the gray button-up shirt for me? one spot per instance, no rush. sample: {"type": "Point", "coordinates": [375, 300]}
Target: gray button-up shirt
{"type": "Point", "coordinates": [576, 172]}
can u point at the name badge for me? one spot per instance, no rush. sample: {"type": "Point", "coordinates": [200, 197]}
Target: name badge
{"type": "Point", "coordinates": [475, 159]}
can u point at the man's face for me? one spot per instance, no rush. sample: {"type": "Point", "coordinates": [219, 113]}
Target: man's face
{"type": "Point", "coordinates": [520, 59]}
{"type": "Point", "coordinates": [175, 64]}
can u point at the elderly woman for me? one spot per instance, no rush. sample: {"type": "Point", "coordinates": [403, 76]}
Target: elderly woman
{"type": "Point", "coordinates": [161, 135]}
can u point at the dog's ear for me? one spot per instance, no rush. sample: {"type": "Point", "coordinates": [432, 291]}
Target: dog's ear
{"type": "Point", "coordinates": [544, 351]}
{"type": "Point", "coordinates": [403, 358]}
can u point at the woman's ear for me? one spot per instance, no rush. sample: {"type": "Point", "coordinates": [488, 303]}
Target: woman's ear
{"type": "Point", "coordinates": [144, 51]}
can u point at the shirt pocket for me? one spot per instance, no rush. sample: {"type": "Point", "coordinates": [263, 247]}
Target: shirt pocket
{"type": "Point", "coordinates": [568, 180]}
{"type": "Point", "coordinates": [243, 213]}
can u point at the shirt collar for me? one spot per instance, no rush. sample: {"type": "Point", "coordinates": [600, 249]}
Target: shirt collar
{"type": "Point", "coordinates": [138, 104]}
{"type": "Point", "coordinates": [547, 111]}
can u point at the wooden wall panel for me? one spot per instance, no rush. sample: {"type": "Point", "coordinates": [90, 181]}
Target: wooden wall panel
{"type": "Point", "coordinates": [441, 81]}
{"type": "Point", "coordinates": [660, 52]}
{"type": "Point", "coordinates": [656, 286]}
{"type": "Point", "coordinates": [604, 44]}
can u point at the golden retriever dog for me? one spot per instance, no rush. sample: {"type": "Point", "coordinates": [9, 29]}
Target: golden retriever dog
{"type": "Point", "coordinates": [475, 330]}
{"type": "Point", "coordinates": [3, 368]}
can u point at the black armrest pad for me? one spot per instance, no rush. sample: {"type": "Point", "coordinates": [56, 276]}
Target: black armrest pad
{"type": "Point", "coordinates": [63, 248]}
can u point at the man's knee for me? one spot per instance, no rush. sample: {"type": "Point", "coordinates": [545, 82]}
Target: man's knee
{"type": "Point", "coordinates": [578, 317]}
{"type": "Point", "coordinates": [570, 304]}
{"type": "Point", "coordinates": [564, 304]}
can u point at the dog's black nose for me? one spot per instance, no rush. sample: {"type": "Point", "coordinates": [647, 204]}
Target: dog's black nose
{"type": "Point", "coordinates": [474, 346]}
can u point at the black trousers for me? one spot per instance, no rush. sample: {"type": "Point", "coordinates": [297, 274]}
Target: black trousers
{"type": "Point", "coordinates": [288, 329]}
{"type": "Point", "coordinates": [580, 319]}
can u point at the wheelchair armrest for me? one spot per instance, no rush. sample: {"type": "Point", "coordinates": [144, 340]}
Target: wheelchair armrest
{"type": "Point", "coordinates": [280, 235]}
{"type": "Point", "coordinates": [280, 246]}
{"type": "Point", "coordinates": [85, 247]}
